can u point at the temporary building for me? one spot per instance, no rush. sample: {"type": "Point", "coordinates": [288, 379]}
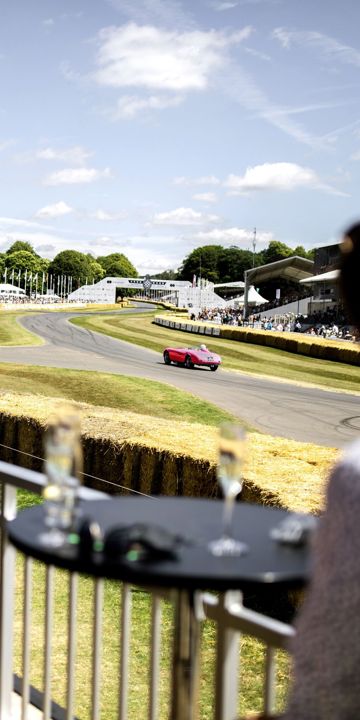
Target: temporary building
{"type": "Point", "coordinates": [254, 298]}
{"type": "Point", "coordinates": [8, 289]}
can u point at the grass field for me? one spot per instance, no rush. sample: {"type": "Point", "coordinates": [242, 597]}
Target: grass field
{"type": "Point", "coordinates": [253, 359]}
{"type": "Point", "coordinates": [12, 333]}
{"type": "Point", "coordinates": [116, 391]}
{"type": "Point", "coordinates": [251, 665]}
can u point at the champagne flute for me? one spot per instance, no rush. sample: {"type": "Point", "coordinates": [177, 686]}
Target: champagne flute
{"type": "Point", "coordinates": [62, 464]}
{"type": "Point", "coordinates": [232, 443]}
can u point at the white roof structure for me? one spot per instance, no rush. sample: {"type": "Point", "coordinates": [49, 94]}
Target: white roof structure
{"type": "Point", "coordinates": [332, 275]}
{"type": "Point", "coordinates": [8, 289]}
{"type": "Point", "coordinates": [254, 298]}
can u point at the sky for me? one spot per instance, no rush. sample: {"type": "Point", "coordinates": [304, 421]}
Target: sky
{"type": "Point", "coordinates": [151, 127]}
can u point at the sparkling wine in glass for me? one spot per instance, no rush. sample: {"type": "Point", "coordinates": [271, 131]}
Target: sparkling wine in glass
{"type": "Point", "coordinates": [232, 444]}
{"type": "Point", "coordinates": [62, 465]}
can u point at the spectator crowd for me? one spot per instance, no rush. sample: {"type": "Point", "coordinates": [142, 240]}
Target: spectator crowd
{"type": "Point", "coordinates": [330, 323]}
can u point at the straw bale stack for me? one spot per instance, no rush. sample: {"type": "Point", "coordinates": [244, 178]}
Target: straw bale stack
{"type": "Point", "coordinates": [170, 457]}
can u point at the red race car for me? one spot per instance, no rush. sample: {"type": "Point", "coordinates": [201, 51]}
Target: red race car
{"type": "Point", "coordinates": [192, 356]}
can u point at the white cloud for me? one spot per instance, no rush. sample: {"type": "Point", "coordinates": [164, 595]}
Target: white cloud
{"type": "Point", "coordinates": [233, 236]}
{"type": "Point", "coordinates": [152, 58]}
{"type": "Point", "coordinates": [241, 87]}
{"type": "Point", "coordinates": [183, 217]}
{"type": "Point", "coordinates": [72, 176]}
{"type": "Point", "coordinates": [221, 6]}
{"type": "Point", "coordinates": [76, 155]}
{"type": "Point", "coordinates": [204, 180]}
{"type": "Point", "coordinates": [105, 216]}
{"type": "Point", "coordinates": [258, 54]}
{"type": "Point", "coordinates": [17, 222]}
{"type": "Point", "coordinates": [329, 47]}
{"type": "Point", "coordinates": [49, 22]}
{"type": "Point", "coordinates": [56, 210]}
{"type": "Point", "coordinates": [130, 105]}
{"type": "Point", "coordinates": [209, 197]}
{"type": "Point", "coordinates": [276, 176]}
{"type": "Point", "coordinates": [5, 144]}
{"type": "Point", "coordinates": [38, 240]}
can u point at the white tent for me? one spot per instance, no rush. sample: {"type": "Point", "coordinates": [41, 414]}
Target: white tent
{"type": "Point", "coordinates": [254, 298]}
{"type": "Point", "coordinates": [7, 289]}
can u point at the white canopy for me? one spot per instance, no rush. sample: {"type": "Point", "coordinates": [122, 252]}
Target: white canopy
{"type": "Point", "coordinates": [324, 277]}
{"type": "Point", "coordinates": [254, 298]}
{"type": "Point", "coordinates": [8, 289]}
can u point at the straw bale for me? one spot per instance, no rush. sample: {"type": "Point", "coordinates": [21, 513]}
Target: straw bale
{"type": "Point", "coordinates": [158, 456]}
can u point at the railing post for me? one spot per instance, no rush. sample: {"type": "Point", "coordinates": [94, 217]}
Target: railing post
{"type": "Point", "coordinates": [227, 663]}
{"type": "Point", "coordinates": [186, 658]}
{"type": "Point", "coordinates": [269, 689]}
{"type": "Point", "coordinates": [7, 583]}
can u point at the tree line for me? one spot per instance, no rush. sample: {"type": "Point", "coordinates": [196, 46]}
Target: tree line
{"type": "Point", "coordinates": [213, 262]}
{"type": "Point", "coordinates": [21, 261]}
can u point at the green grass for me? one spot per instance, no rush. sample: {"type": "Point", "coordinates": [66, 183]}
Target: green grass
{"type": "Point", "coordinates": [254, 359]}
{"type": "Point", "coordinates": [252, 652]}
{"type": "Point", "coordinates": [12, 333]}
{"type": "Point", "coordinates": [146, 397]}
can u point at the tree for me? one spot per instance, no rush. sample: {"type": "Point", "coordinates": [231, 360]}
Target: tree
{"type": "Point", "coordinates": [277, 251]}
{"type": "Point", "coordinates": [117, 265]}
{"type": "Point", "coordinates": [2, 265]}
{"type": "Point", "coordinates": [21, 245]}
{"type": "Point", "coordinates": [166, 275]}
{"type": "Point", "coordinates": [24, 260]}
{"type": "Point", "coordinates": [202, 261]}
{"type": "Point", "coordinates": [73, 263]}
{"type": "Point", "coordinates": [218, 264]}
{"type": "Point", "coordinates": [97, 271]}
{"type": "Point", "coordinates": [234, 261]}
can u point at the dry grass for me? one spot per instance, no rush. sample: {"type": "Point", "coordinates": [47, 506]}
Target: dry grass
{"type": "Point", "coordinates": [278, 471]}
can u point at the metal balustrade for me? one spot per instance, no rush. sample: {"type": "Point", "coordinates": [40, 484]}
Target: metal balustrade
{"type": "Point", "coordinates": [227, 611]}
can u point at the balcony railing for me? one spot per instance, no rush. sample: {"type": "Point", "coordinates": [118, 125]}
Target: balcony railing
{"type": "Point", "coordinates": [232, 620]}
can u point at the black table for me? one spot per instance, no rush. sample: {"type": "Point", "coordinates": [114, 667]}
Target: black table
{"type": "Point", "coordinates": [267, 562]}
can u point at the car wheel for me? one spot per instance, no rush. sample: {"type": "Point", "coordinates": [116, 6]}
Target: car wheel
{"type": "Point", "coordinates": [213, 367]}
{"type": "Point", "coordinates": [167, 360]}
{"type": "Point", "coordinates": [188, 363]}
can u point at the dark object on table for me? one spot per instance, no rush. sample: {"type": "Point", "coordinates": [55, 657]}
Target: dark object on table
{"type": "Point", "coordinates": [296, 529]}
{"type": "Point", "coordinates": [90, 537]}
{"type": "Point", "coordinates": [141, 542]}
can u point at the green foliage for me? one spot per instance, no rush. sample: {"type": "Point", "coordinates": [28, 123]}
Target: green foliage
{"type": "Point", "coordinates": [117, 265]}
{"type": "Point", "coordinates": [277, 251]}
{"type": "Point", "coordinates": [166, 275]}
{"type": "Point", "coordinates": [74, 263]}
{"type": "Point", "coordinates": [24, 260]}
{"type": "Point", "coordinates": [21, 245]}
{"type": "Point", "coordinates": [97, 271]}
{"type": "Point", "coordinates": [218, 264]}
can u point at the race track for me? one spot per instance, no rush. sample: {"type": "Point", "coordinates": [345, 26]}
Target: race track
{"type": "Point", "coordinates": [285, 409]}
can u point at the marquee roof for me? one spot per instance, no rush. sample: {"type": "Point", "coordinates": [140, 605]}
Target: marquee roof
{"type": "Point", "coordinates": [293, 268]}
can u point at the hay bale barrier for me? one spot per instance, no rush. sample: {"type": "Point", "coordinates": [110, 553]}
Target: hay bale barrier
{"type": "Point", "coordinates": [124, 450]}
{"type": "Point", "coordinates": [339, 351]}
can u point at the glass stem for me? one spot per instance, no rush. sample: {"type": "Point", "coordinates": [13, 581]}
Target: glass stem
{"type": "Point", "coordinates": [227, 516]}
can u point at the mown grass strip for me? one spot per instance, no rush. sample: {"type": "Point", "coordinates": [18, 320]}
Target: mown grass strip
{"type": "Point", "coordinates": [12, 333]}
{"type": "Point", "coordinates": [115, 391]}
{"type": "Point", "coordinates": [254, 359]}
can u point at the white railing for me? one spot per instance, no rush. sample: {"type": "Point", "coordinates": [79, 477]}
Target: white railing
{"type": "Point", "coordinates": [227, 611]}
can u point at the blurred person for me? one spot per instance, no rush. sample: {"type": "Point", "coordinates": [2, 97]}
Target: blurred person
{"type": "Point", "coordinates": [326, 648]}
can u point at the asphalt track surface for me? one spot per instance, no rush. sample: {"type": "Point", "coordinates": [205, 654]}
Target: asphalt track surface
{"type": "Point", "coordinates": [278, 408]}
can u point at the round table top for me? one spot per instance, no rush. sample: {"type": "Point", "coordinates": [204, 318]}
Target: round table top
{"type": "Point", "coordinates": [267, 562]}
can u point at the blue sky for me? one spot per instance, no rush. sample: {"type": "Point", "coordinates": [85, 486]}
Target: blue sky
{"type": "Point", "coordinates": [151, 127]}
